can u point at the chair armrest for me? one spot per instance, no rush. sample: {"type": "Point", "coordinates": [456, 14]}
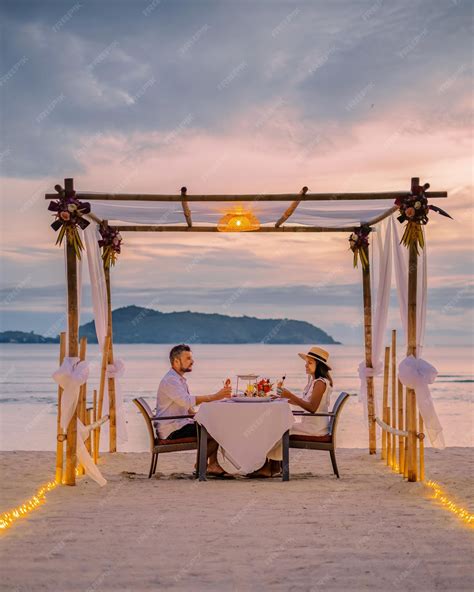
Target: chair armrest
{"type": "Point", "coordinates": [171, 417]}
{"type": "Point", "coordinates": [322, 414]}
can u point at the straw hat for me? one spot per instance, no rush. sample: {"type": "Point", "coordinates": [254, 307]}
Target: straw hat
{"type": "Point", "coordinates": [319, 354]}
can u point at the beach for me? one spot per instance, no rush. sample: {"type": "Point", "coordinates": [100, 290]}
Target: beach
{"type": "Point", "coordinates": [369, 530]}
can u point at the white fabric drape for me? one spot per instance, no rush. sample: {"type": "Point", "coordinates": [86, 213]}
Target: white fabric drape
{"type": "Point", "coordinates": [384, 249]}
{"type": "Point", "coordinates": [97, 279]}
{"type": "Point", "coordinates": [99, 305]}
{"type": "Point", "coordinates": [70, 376]}
{"type": "Point", "coordinates": [416, 373]}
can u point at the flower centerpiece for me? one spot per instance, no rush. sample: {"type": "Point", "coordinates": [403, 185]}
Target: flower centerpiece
{"type": "Point", "coordinates": [359, 242]}
{"type": "Point", "coordinates": [111, 243]}
{"type": "Point", "coordinates": [263, 387]}
{"type": "Point", "coordinates": [69, 213]}
{"type": "Point", "coordinates": [414, 210]}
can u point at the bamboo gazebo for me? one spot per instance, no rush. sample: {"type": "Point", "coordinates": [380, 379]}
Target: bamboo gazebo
{"type": "Point", "coordinates": [115, 213]}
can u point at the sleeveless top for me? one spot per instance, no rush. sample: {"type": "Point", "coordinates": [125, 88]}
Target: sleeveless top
{"type": "Point", "coordinates": [314, 426]}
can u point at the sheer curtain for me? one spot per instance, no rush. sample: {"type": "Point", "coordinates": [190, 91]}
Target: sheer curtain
{"type": "Point", "coordinates": [99, 305]}
{"type": "Point", "coordinates": [414, 372]}
{"type": "Point", "coordinates": [383, 242]}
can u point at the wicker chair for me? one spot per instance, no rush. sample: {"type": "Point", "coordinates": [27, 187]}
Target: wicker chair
{"type": "Point", "coordinates": [327, 442]}
{"type": "Point", "coordinates": [158, 445]}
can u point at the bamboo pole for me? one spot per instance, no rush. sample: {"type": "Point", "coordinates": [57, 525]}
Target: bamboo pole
{"type": "Point", "coordinates": [421, 441]}
{"type": "Point", "coordinates": [73, 330]}
{"type": "Point", "coordinates": [365, 195]}
{"type": "Point", "coordinates": [94, 419]}
{"type": "Point", "coordinates": [385, 412]}
{"type": "Point", "coordinates": [59, 431]}
{"type": "Point", "coordinates": [88, 441]}
{"type": "Point", "coordinates": [405, 456]}
{"type": "Point", "coordinates": [393, 416]}
{"type": "Point", "coordinates": [401, 426]}
{"type": "Point", "coordinates": [186, 210]}
{"type": "Point", "coordinates": [110, 379]}
{"type": "Point", "coordinates": [103, 374]}
{"type": "Point", "coordinates": [367, 297]}
{"type": "Point", "coordinates": [411, 350]}
{"type": "Point", "coordinates": [290, 209]}
{"type": "Point", "coordinates": [81, 405]}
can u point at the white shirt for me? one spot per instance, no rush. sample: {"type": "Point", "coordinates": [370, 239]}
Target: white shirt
{"type": "Point", "coordinates": [314, 426]}
{"type": "Point", "coordinates": [173, 398]}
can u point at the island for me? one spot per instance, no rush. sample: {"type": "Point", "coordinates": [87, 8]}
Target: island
{"type": "Point", "coordinates": [136, 324]}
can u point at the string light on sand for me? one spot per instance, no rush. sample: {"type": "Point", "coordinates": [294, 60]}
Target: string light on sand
{"type": "Point", "coordinates": [450, 505]}
{"type": "Point", "coordinates": [8, 518]}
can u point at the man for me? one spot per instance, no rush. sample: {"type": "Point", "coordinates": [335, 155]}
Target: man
{"type": "Point", "coordinates": [173, 398]}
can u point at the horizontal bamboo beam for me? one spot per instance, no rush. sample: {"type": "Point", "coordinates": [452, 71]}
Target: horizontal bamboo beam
{"type": "Point", "coordinates": [389, 429]}
{"type": "Point", "coordinates": [254, 197]}
{"type": "Point", "coordinates": [170, 228]}
{"type": "Point", "coordinates": [291, 208]}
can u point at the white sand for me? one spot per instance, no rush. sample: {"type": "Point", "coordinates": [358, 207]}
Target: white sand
{"type": "Point", "coordinates": [369, 530]}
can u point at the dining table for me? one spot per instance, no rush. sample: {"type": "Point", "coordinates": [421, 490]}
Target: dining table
{"type": "Point", "coordinates": [246, 430]}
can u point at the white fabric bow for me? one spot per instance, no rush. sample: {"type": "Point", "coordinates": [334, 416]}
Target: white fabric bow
{"type": "Point", "coordinates": [364, 373]}
{"type": "Point", "coordinates": [417, 374]}
{"type": "Point", "coordinates": [116, 371]}
{"type": "Point", "coordinates": [70, 376]}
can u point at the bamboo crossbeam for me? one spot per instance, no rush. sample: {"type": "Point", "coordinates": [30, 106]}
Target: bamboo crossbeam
{"type": "Point", "coordinates": [92, 196]}
{"type": "Point", "coordinates": [59, 431]}
{"type": "Point", "coordinates": [99, 422]}
{"type": "Point", "coordinates": [390, 429]}
{"type": "Point", "coordinates": [92, 426]}
{"type": "Point", "coordinates": [380, 217]}
{"type": "Point", "coordinates": [264, 229]}
{"type": "Point", "coordinates": [291, 208]}
{"type": "Point", "coordinates": [186, 210]}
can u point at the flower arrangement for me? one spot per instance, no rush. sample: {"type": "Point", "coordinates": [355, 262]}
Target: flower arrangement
{"type": "Point", "coordinates": [69, 213]}
{"type": "Point", "coordinates": [414, 210]}
{"type": "Point", "coordinates": [111, 243]}
{"type": "Point", "coordinates": [358, 242]}
{"type": "Point", "coordinates": [259, 389]}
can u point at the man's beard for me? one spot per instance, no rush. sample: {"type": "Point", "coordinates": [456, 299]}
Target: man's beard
{"type": "Point", "coordinates": [187, 369]}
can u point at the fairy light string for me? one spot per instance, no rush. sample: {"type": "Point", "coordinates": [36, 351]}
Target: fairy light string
{"type": "Point", "coordinates": [8, 518]}
{"type": "Point", "coordinates": [440, 495]}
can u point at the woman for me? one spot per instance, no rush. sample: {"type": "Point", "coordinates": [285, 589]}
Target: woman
{"type": "Point", "coordinates": [315, 398]}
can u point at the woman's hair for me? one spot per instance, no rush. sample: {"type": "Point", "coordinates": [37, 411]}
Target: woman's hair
{"type": "Point", "coordinates": [322, 371]}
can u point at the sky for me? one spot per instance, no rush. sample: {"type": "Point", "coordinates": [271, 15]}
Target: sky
{"type": "Point", "coordinates": [235, 97]}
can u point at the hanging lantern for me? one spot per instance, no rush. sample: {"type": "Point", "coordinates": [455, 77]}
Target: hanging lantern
{"type": "Point", "coordinates": [238, 221]}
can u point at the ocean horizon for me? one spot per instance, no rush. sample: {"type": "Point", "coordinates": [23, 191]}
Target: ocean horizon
{"type": "Point", "coordinates": [28, 398]}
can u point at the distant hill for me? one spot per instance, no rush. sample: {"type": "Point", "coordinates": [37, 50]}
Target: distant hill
{"type": "Point", "coordinates": [23, 337]}
{"type": "Point", "coordinates": [134, 324]}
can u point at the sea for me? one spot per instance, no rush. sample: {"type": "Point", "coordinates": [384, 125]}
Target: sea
{"type": "Point", "coordinates": [28, 399]}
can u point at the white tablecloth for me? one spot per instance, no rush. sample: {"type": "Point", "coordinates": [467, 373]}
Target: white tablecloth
{"type": "Point", "coordinates": [245, 431]}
